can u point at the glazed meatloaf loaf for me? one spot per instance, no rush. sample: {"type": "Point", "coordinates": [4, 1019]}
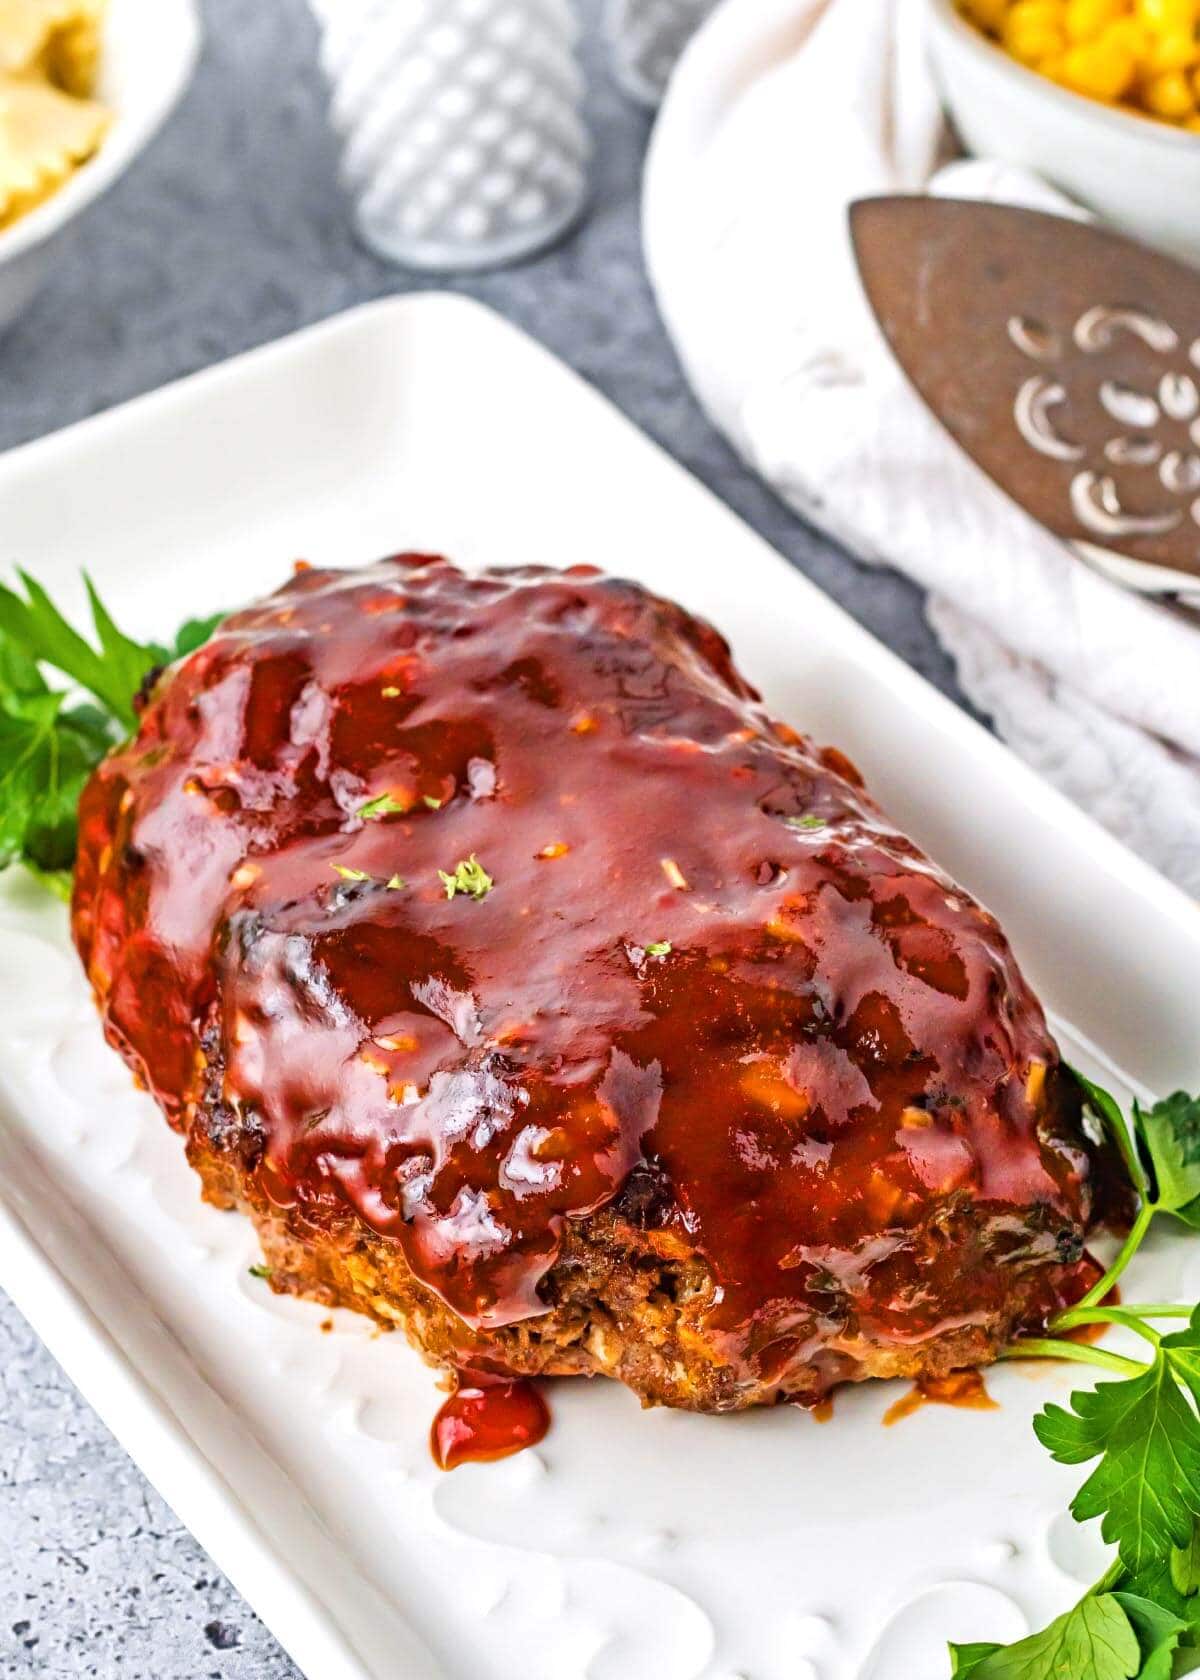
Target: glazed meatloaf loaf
{"type": "Point", "coordinates": [532, 990]}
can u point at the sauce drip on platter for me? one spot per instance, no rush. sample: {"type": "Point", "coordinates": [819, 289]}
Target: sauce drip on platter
{"type": "Point", "coordinates": [487, 1418]}
{"type": "Point", "coordinates": [964, 1389]}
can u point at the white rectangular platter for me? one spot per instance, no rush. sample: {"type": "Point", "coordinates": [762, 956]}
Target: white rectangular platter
{"type": "Point", "coordinates": [630, 1544]}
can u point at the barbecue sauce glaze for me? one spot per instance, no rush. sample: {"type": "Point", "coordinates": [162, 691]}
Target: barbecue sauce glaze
{"type": "Point", "coordinates": [703, 948]}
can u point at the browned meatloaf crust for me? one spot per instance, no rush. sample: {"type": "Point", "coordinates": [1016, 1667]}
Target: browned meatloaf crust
{"type": "Point", "coordinates": [533, 991]}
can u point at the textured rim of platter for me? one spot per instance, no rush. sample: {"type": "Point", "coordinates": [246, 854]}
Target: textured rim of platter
{"type": "Point", "coordinates": [349, 439]}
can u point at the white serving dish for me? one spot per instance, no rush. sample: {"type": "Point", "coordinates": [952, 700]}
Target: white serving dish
{"type": "Point", "coordinates": [1142, 176]}
{"type": "Point", "coordinates": [628, 1544]}
{"type": "Point", "coordinates": [150, 50]}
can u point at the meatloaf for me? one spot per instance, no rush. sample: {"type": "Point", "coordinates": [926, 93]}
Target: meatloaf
{"type": "Point", "coordinates": [532, 990]}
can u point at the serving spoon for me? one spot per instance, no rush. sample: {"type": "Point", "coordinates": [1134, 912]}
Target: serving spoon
{"type": "Point", "coordinates": [1065, 360]}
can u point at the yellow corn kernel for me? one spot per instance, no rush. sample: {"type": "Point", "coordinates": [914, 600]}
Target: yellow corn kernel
{"type": "Point", "coordinates": [1167, 14]}
{"type": "Point", "coordinates": [1033, 31]}
{"type": "Point", "coordinates": [1169, 95]}
{"type": "Point", "coordinates": [1084, 20]}
{"type": "Point", "coordinates": [1132, 34]}
{"type": "Point", "coordinates": [1100, 69]}
{"type": "Point", "coordinates": [1172, 49]}
{"type": "Point", "coordinates": [1024, 14]}
{"type": "Point", "coordinates": [1034, 43]}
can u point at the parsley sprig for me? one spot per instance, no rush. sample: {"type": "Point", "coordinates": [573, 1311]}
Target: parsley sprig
{"type": "Point", "coordinates": [1141, 1621]}
{"type": "Point", "coordinates": [51, 738]}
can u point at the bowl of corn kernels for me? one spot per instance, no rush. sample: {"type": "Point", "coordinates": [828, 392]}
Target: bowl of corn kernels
{"type": "Point", "coordinates": [1100, 97]}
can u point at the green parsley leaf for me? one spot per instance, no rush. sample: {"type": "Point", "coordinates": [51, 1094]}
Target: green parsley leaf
{"type": "Point", "coordinates": [1169, 1134]}
{"type": "Point", "coordinates": [1184, 1566]}
{"type": "Point", "coordinates": [397, 884]}
{"type": "Point", "coordinates": [1182, 1352]}
{"type": "Point", "coordinates": [1155, 1587]}
{"type": "Point", "coordinates": [349, 874]}
{"type": "Point", "coordinates": [1146, 1487]}
{"type": "Point", "coordinates": [1093, 1636]}
{"type": "Point", "coordinates": [18, 672]}
{"type": "Point", "coordinates": [469, 877]}
{"type": "Point", "coordinates": [41, 632]}
{"type": "Point", "coordinates": [433, 804]}
{"type": "Point", "coordinates": [48, 748]}
{"type": "Point", "coordinates": [965, 1659]}
{"type": "Point", "coordinates": [126, 663]}
{"type": "Point", "coordinates": [1158, 1633]}
{"type": "Point", "coordinates": [660, 948]}
{"type": "Point", "coordinates": [260, 1271]}
{"type": "Point", "coordinates": [804, 822]}
{"type": "Point", "coordinates": [47, 753]}
{"type": "Point", "coordinates": [383, 806]}
{"type": "Point", "coordinates": [193, 633]}
{"type": "Point", "coordinates": [1094, 1641]}
{"type": "Point", "coordinates": [1105, 1106]}
{"type": "Point", "coordinates": [28, 764]}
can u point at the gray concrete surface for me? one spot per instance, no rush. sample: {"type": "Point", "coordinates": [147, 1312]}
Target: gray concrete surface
{"type": "Point", "coordinates": [229, 232]}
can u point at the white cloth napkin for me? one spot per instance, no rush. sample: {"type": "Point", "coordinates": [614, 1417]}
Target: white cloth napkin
{"type": "Point", "coordinates": [1098, 689]}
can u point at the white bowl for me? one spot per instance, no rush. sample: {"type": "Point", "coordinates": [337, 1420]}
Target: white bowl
{"type": "Point", "coordinates": [1139, 174]}
{"type": "Point", "coordinates": [150, 50]}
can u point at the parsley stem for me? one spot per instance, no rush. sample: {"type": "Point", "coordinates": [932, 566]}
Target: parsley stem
{"type": "Point", "coordinates": [1105, 1315]}
{"type": "Point", "coordinates": [1128, 1249]}
{"type": "Point", "coordinates": [1156, 1309]}
{"type": "Point", "coordinates": [1048, 1347]}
